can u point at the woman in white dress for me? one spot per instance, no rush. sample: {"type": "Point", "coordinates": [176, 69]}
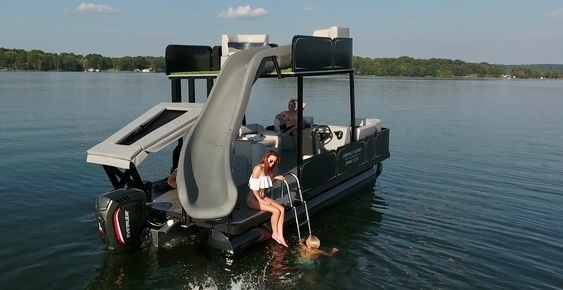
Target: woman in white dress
{"type": "Point", "coordinates": [261, 179]}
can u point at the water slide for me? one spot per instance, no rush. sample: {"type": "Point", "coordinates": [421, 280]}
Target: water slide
{"type": "Point", "coordinates": [205, 185]}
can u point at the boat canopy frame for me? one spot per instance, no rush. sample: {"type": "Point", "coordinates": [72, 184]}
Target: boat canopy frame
{"type": "Point", "coordinates": [311, 56]}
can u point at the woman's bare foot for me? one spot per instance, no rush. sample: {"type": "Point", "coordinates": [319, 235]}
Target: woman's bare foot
{"type": "Point", "coordinates": [280, 240]}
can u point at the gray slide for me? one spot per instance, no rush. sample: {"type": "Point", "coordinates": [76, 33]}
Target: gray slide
{"type": "Point", "coordinates": [205, 185]}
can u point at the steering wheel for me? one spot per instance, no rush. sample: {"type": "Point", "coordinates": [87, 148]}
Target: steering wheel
{"type": "Point", "coordinates": [324, 133]}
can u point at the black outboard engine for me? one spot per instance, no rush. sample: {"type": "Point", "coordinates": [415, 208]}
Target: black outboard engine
{"type": "Point", "coordinates": [121, 221]}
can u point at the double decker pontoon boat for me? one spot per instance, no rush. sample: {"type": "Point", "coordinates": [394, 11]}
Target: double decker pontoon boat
{"type": "Point", "coordinates": [216, 150]}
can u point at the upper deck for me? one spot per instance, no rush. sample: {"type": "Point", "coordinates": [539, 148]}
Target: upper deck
{"type": "Point", "coordinates": [310, 55]}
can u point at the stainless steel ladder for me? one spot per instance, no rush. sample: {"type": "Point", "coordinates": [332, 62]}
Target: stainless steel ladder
{"type": "Point", "coordinates": [294, 208]}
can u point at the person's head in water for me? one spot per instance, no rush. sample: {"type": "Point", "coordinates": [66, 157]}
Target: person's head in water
{"type": "Point", "coordinates": [313, 242]}
{"type": "Point", "coordinates": [310, 249]}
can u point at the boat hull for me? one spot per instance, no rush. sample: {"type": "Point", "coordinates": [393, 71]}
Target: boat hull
{"type": "Point", "coordinates": [319, 203]}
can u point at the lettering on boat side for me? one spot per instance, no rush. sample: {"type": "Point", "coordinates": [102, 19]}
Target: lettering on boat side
{"type": "Point", "coordinates": [127, 227]}
{"type": "Point", "coordinates": [351, 156]}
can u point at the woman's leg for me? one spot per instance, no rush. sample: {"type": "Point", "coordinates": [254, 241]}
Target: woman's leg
{"type": "Point", "coordinates": [280, 221]}
{"type": "Point", "coordinates": [255, 204]}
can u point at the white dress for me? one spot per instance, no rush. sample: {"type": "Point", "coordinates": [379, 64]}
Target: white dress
{"type": "Point", "coordinates": [262, 182]}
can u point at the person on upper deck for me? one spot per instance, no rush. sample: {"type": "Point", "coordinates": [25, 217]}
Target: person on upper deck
{"type": "Point", "coordinates": [261, 179]}
{"type": "Point", "coordinates": [290, 119]}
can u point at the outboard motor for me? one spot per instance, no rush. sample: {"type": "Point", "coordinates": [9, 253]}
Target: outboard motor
{"type": "Point", "coordinates": [121, 221]}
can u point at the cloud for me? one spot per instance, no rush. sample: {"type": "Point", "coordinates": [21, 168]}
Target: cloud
{"type": "Point", "coordinates": [93, 8]}
{"type": "Point", "coordinates": [308, 9]}
{"type": "Point", "coordinates": [243, 12]}
{"type": "Point", "coordinates": [558, 13]}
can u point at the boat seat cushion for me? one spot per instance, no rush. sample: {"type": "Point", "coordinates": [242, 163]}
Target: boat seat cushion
{"type": "Point", "coordinates": [251, 129]}
{"type": "Point", "coordinates": [367, 127]}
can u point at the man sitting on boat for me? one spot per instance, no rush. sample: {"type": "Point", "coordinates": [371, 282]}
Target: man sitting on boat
{"type": "Point", "coordinates": [289, 119]}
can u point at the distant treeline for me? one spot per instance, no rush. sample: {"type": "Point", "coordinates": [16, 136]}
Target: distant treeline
{"type": "Point", "coordinates": [19, 59]}
{"type": "Point", "coordinates": [447, 68]}
{"type": "Point", "coordinates": [551, 67]}
{"type": "Point", "coordinates": [37, 60]}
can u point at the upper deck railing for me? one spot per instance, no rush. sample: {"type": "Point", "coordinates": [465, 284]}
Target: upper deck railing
{"type": "Point", "coordinates": [311, 55]}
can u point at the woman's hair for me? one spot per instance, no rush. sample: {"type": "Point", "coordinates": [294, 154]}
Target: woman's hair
{"type": "Point", "coordinates": [313, 242]}
{"type": "Point", "coordinates": [267, 169]}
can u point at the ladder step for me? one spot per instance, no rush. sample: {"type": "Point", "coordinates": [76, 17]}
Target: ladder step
{"type": "Point", "coordinates": [296, 200]}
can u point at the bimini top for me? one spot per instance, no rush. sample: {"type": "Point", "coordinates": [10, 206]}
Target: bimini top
{"type": "Point", "coordinates": [150, 132]}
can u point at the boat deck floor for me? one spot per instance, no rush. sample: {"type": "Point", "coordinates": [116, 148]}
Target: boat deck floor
{"type": "Point", "coordinates": [166, 202]}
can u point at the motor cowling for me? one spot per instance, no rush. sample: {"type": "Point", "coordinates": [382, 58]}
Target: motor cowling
{"type": "Point", "coordinates": [120, 215]}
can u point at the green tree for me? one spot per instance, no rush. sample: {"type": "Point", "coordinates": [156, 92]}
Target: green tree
{"type": "Point", "coordinates": [35, 60]}
{"type": "Point", "coordinates": [21, 60]}
{"type": "Point", "coordinates": [70, 62]}
{"type": "Point", "coordinates": [446, 71]}
{"type": "Point", "coordinates": [97, 61]}
{"type": "Point", "coordinates": [50, 62]}
{"type": "Point", "coordinates": [521, 72]}
{"type": "Point", "coordinates": [8, 59]}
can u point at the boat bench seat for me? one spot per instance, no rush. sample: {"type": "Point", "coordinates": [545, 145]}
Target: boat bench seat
{"type": "Point", "coordinates": [367, 127]}
{"type": "Point", "coordinates": [239, 169]}
{"type": "Point", "coordinates": [244, 218]}
{"type": "Point", "coordinates": [253, 150]}
{"type": "Point", "coordinates": [250, 129]}
{"type": "Point", "coordinates": [286, 141]}
{"type": "Point", "coordinates": [230, 44]}
{"type": "Point", "coordinates": [252, 144]}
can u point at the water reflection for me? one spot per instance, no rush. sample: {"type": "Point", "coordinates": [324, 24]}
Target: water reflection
{"type": "Point", "coordinates": [265, 266]}
{"type": "Point", "coordinates": [118, 271]}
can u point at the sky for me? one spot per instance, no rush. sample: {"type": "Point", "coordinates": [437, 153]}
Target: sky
{"type": "Point", "coordinates": [493, 31]}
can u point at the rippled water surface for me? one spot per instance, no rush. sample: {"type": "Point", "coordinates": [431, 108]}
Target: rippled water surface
{"type": "Point", "coordinates": [471, 197]}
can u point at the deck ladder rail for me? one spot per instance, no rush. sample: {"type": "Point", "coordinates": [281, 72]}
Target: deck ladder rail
{"type": "Point", "coordinates": [294, 208]}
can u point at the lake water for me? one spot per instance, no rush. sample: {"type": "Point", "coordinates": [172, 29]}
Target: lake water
{"type": "Point", "coordinates": [471, 197]}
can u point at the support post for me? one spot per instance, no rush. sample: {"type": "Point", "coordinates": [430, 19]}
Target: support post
{"type": "Point", "coordinates": [209, 86]}
{"type": "Point", "coordinates": [299, 108]}
{"type": "Point", "coordinates": [191, 90]}
{"type": "Point", "coordinates": [352, 108]}
{"type": "Point", "coordinates": [176, 87]}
